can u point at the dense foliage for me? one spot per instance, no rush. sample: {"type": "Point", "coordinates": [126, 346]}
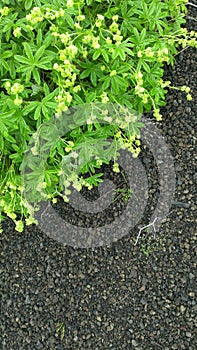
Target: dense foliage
{"type": "Point", "coordinates": [71, 53]}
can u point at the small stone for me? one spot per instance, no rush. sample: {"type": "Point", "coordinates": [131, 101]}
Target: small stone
{"type": "Point", "coordinates": [39, 345]}
{"type": "Point", "coordinates": [188, 334]}
{"type": "Point", "coordinates": [134, 273]}
{"type": "Point", "coordinates": [182, 308]}
{"type": "Point", "coordinates": [110, 327]}
{"type": "Point", "coordinates": [142, 289]}
{"type": "Point", "coordinates": [134, 343]}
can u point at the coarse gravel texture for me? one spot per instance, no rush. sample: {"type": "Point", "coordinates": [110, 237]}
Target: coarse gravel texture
{"type": "Point", "coordinates": [116, 297]}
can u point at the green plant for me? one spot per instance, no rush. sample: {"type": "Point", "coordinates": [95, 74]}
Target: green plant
{"type": "Point", "coordinates": [71, 53]}
{"type": "Point", "coordinates": [123, 193]}
{"type": "Point", "coordinates": [61, 328]}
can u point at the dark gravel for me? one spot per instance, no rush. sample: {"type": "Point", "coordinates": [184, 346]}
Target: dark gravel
{"type": "Point", "coordinates": [114, 297]}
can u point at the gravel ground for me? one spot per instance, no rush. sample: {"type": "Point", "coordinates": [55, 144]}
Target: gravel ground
{"type": "Point", "coordinates": [116, 297]}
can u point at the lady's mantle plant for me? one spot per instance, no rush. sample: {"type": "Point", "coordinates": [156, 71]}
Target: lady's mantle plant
{"type": "Point", "coordinates": [70, 53]}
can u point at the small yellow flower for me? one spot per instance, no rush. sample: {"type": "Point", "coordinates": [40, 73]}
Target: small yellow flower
{"type": "Point", "coordinates": [104, 97]}
{"type": "Point", "coordinates": [100, 17]}
{"type": "Point", "coordinates": [80, 17]}
{"type": "Point", "coordinates": [70, 3]}
{"type": "Point", "coordinates": [18, 101]}
{"type": "Point", "coordinates": [108, 40]}
{"type": "Point", "coordinates": [149, 52]}
{"type": "Point", "coordinates": [189, 97]}
{"type": "Point", "coordinates": [112, 73]}
{"type": "Point", "coordinates": [77, 88]}
{"type": "Point", "coordinates": [116, 168]}
{"type": "Point", "coordinates": [115, 18]}
{"type": "Point", "coordinates": [4, 11]}
{"type": "Point", "coordinates": [17, 88]}
{"type": "Point", "coordinates": [19, 226]}
{"type": "Point", "coordinates": [17, 32]}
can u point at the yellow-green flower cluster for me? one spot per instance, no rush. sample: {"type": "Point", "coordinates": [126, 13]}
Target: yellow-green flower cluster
{"type": "Point", "coordinates": [99, 21]}
{"type": "Point", "coordinates": [14, 192]}
{"type": "Point", "coordinates": [187, 90]}
{"type": "Point", "coordinates": [17, 32]}
{"type": "Point", "coordinates": [95, 42]}
{"type": "Point", "coordinates": [36, 15]}
{"type": "Point", "coordinates": [131, 143]}
{"type": "Point", "coordinates": [104, 97]}
{"type": "Point", "coordinates": [118, 39]}
{"type": "Point", "coordinates": [64, 99]}
{"type": "Point", "coordinates": [156, 114]}
{"type": "Point", "coordinates": [162, 55]}
{"type": "Point", "coordinates": [52, 14]}
{"type": "Point", "coordinates": [114, 27]}
{"type": "Point", "coordinates": [70, 51]}
{"type": "Point", "coordinates": [4, 11]}
{"type": "Point", "coordinates": [15, 89]}
{"type": "Point", "coordinates": [69, 147]}
{"type": "Point", "coordinates": [164, 83]}
{"type": "Point", "coordinates": [116, 168]}
{"type": "Point", "coordinates": [91, 119]}
{"type": "Point", "coordinates": [139, 89]}
{"type": "Point", "coordinates": [148, 52]}
{"type": "Point", "coordinates": [70, 3]}
{"type": "Point", "coordinates": [67, 71]}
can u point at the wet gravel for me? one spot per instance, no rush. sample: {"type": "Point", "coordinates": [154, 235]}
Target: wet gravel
{"type": "Point", "coordinates": [115, 297]}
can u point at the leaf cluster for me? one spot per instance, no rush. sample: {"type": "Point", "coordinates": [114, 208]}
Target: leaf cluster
{"type": "Point", "coordinates": [73, 53]}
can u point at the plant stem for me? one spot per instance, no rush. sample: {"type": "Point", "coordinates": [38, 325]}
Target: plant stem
{"type": "Point", "coordinates": [189, 3]}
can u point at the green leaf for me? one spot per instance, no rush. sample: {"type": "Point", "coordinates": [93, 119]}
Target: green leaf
{"type": "Point", "coordinates": [145, 8]}
{"type": "Point", "coordinates": [45, 62]}
{"type": "Point", "coordinates": [3, 128]}
{"type": "Point", "coordinates": [39, 37]}
{"type": "Point", "coordinates": [93, 78]}
{"type": "Point", "coordinates": [143, 34]}
{"type": "Point", "coordinates": [121, 81]}
{"type": "Point", "coordinates": [28, 4]}
{"type": "Point", "coordinates": [22, 59]}
{"type": "Point", "coordinates": [85, 74]}
{"type": "Point", "coordinates": [90, 97]}
{"type": "Point", "coordinates": [114, 86]}
{"type": "Point", "coordinates": [146, 67]}
{"type": "Point", "coordinates": [39, 53]}
{"type": "Point", "coordinates": [96, 54]}
{"type": "Point", "coordinates": [36, 76]}
{"type": "Point", "coordinates": [45, 112]}
{"type": "Point", "coordinates": [9, 138]}
{"type": "Point", "coordinates": [37, 112]}
{"type": "Point", "coordinates": [30, 107]}
{"type": "Point", "coordinates": [69, 20]}
{"type": "Point", "coordinates": [7, 54]}
{"type": "Point", "coordinates": [136, 34]}
{"type": "Point", "coordinates": [28, 52]}
{"type": "Point", "coordinates": [1, 142]}
{"type": "Point", "coordinates": [28, 76]}
{"type": "Point", "coordinates": [106, 83]}
{"type": "Point", "coordinates": [78, 99]}
{"type": "Point", "coordinates": [105, 56]}
{"type": "Point", "coordinates": [7, 115]}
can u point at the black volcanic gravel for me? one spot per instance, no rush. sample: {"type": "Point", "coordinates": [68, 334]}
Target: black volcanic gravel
{"type": "Point", "coordinates": [114, 297]}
